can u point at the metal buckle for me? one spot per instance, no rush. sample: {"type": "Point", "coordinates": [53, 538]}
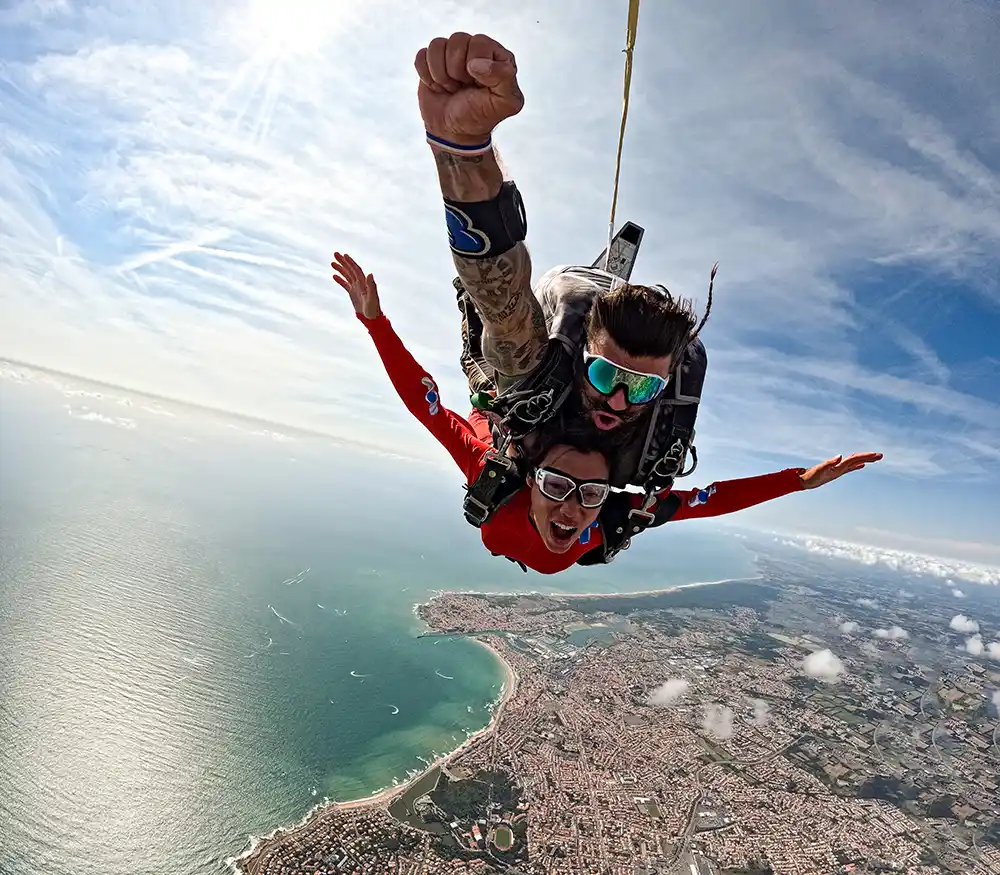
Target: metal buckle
{"type": "Point", "coordinates": [482, 510]}
{"type": "Point", "coordinates": [649, 517]}
{"type": "Point", "coordinates": [541, 402]}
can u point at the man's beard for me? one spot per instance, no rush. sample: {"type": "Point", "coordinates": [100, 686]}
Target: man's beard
{"type": "Point", "coordinates": [578, 423]}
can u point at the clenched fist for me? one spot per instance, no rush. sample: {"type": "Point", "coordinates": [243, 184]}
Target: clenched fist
{"type": "Point", "coordinates": [468, 85]}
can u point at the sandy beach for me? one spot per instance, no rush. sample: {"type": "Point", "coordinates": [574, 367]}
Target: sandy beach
{"type": "Point", "coordinates": [556, 594]}
{"type": "Point", "coordinates": [641, 592]}
{"type": "Point", "coordinates": [243, 864]}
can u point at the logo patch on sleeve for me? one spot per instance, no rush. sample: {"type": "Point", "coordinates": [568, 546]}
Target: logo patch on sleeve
{"type": "Point", "coordinates": [433, 407]}
{"type": "Point", "coordinates": [701, 496]}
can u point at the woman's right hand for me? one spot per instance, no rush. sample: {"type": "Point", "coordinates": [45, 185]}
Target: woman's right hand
{"type": "Point", "coordinates": [362, 289]}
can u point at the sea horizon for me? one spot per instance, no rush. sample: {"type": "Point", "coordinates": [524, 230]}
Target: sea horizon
{"type": "Point", "coordinates": [183, 605]}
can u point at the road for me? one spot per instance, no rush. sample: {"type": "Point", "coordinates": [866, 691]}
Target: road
{"type": "Point", "coordinates": [693, 813]}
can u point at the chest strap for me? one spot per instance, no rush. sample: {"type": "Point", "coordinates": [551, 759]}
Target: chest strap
{"type": "Point", "coordinates": [620, 521]}
{"type": "Point", "coordinates": [526, 405]}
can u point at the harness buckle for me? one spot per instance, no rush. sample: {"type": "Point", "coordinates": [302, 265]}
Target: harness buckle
{"type": "Point", "coordinates": [532, 409]}
{"type": "Point", "coordinates": [645, 514]}
{"type": "Point", "coordinates": [476, 512]}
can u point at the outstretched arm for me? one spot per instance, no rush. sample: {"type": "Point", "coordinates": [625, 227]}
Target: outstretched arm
{"type": "Point", "coordinates": [415, 387]}
{"type": "Point", "coordinates": [730, 496]}
{"type": "Point", "coordinates": [468, 84]}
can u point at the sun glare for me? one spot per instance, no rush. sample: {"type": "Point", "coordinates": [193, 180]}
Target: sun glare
{"type": "Point", "coordinates": [290, 27]}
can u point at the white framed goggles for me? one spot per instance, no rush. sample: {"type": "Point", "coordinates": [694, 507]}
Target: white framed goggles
{"type": "Point", "coordinates": [556, 485]}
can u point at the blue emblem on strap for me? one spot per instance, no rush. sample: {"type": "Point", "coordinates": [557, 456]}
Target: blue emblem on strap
{"type": "Point", "coordinates": [462, 237]}
{"type": "Point", "coordinates": [585, 534]}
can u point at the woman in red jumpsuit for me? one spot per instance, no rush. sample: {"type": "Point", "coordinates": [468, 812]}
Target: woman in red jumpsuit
{"type": "Point", "coordinates": [553, 520]}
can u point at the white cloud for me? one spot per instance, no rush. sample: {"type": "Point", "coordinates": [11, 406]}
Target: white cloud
{"type": "Point", "coordinates": [993, 650]}
{"type": "Point", "coordinates": [961, 623]}
{"type": "Point", "coordinates": [898, 560]}
{"type": "Point", "coordinates": [996, 699]}
{"type": "Point", "coordinates": [849, 627]}
{"type": "Point", "coordinates": [974, 645]}
{"type": "Point", "coordinates": [178, 241]}
{"type": "Point", "coordinates": [958, 593]}
{"type": "Point", "coordinates": [718, 721]}
{"type": "Point", "coordinates": [85, 414]}
{"type": "Point", "coordinates": [761, 713]}
{"type": "Point", "coordinates": [893, 633]}
{"type": "Point", "coordinates": [668, 692]}
{"type": "Point", "coordinates": [824, 665]}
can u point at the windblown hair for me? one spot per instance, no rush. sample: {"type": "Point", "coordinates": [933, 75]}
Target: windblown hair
{"type": "Point", "coordinates": [645, 320]}
{"type": "Point", "coordinates": [557, 432]}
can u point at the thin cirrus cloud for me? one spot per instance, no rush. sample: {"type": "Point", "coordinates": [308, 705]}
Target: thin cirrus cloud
{"type": "Point", "coordinates": [175, 176]}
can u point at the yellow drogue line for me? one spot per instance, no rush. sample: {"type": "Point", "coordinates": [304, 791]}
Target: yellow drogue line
{"type": "Point", "coordinates": [633, 26]}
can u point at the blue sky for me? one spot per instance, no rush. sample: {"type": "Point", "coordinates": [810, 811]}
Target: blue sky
{"type": "Point", "coordinates": [174, 177]}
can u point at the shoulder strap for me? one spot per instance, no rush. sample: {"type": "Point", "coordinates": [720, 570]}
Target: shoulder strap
{"type": "Point", "coordinates": [496, 484]}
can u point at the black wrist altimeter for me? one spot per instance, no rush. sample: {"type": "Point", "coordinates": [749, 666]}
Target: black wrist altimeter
{"type": "Point", "coordinates": [485, 229]}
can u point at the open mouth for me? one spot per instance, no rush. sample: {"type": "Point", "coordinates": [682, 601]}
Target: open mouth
{"type": "Point", "coordinates": [561, 533]}
{"type": "Point", "coordinates": [605, 421]}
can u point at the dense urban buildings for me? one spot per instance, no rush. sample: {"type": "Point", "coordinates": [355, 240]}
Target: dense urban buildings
{"type": "Point", "coordinates": [799, 724]}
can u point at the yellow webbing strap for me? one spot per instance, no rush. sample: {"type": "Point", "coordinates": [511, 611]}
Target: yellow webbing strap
{"type": "Point", "coordinates": [633, 26]}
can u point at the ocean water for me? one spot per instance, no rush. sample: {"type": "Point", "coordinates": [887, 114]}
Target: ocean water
{"type": "Point", "coordinates": [206, 626]}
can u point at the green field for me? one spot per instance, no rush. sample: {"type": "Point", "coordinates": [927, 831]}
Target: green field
{"type": "Point", "coordinates": [503, 838]}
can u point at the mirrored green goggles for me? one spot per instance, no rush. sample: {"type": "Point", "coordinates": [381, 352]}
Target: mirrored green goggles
{"type": "Point", "coordinates": [605, 376]}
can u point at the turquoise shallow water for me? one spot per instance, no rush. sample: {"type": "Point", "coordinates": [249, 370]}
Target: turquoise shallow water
{"type": "Point", "coordinates": [155, 709]}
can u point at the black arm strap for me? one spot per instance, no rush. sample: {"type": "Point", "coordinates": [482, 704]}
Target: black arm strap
{"type": "Point", "coordinates": [497, 483]}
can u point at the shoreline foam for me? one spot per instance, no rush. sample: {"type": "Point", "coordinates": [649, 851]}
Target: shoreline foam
{"type": "Point", "coordinates": [383, 798]}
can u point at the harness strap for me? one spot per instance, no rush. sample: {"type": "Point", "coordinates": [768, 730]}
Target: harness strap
{"type": "Point", "coordinates": [533, 401]}
{"type": "Point", "coordinates": [524, 567]}
{"type": "Point", "coordinates": [496, 484]}
{"type": "Point", "coordinates": [620, 521]}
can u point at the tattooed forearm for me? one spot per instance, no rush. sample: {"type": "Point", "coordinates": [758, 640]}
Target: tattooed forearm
{"type": "Point", "coordinates": [468, 177]}
{"type": "Point", "coordinates": [514, 331]}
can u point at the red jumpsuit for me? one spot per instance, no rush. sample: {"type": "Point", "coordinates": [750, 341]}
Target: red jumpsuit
{"type": "Point", "coordinates": [509, 532]}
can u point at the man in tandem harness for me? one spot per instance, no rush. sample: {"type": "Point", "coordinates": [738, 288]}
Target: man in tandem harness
{"type": "Point", "coordinates": [618, 366]}
{"type": "Point", "coordinates": [641, 417]}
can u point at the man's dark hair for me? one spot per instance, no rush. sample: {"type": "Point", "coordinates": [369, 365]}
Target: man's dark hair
{"type": "Point", "coordinates": [643, 320]}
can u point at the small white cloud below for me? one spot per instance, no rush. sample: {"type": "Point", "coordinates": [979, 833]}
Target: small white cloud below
{"type": "Point", "coordinates": [961, 623]}
{"type": "Point", "coordinates": [823, 665]}
{"type": "Point", "coordinates": [893, 633]}
{"type": "Point", "coordinates": [668, 692]}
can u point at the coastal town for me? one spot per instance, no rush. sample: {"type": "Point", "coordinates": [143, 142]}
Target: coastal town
{"type": "Point", "coordinates": [750, 727]}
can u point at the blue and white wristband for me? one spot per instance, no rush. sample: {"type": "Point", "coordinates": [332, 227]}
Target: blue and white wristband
{"type": "Point", "coordinates": [457, 149]}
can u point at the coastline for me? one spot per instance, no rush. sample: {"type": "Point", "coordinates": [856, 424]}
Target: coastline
{"type": "Point", "coordinates": [643, 592]}
{"type": "Point", "coordinates": [554, 594]}
{"type": "Point", "coordinates": [382, 799]}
